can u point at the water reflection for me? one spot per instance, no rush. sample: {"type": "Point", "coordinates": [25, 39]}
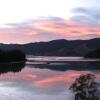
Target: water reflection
{"type": "Point", "coordinates": [52, 83]}
{"type": "Point", "coordinates": [11, 67]}
{"type": "Point", "coordinates": [68, 66]}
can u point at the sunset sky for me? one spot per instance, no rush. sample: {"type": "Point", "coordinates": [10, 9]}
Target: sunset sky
{"type": "Point", "coordinates": [24, 21]}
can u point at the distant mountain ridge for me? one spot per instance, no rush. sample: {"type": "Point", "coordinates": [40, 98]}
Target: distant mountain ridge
{"type": "Point", "coordinates": [59, 47]}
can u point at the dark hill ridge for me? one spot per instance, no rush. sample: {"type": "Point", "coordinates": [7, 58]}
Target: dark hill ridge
{"type": "Point", "coordinates": [60, 47]}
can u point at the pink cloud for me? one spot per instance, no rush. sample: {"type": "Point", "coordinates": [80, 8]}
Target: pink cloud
{"type": "Point", "coordinates": [44, 30]}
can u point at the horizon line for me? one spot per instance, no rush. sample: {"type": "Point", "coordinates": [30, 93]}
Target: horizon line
{"type": "Point", "coordinates": [50, 41]}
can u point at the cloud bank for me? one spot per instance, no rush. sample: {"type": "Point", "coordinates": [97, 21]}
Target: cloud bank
{"type": "Point", "coordinates": [45, 29]}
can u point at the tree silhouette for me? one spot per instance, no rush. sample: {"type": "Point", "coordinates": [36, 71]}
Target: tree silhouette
{"type": "Point", "coordinates": [12, 55]}
{"type": "Point", "coordinates": [85, 88]}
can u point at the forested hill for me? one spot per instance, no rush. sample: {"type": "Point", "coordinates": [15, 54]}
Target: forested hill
{"type": "Point", "coordinates": [60, 47]}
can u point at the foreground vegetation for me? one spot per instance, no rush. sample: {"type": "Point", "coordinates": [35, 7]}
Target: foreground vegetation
{"type": "Point", "coordinates": [85, 88]}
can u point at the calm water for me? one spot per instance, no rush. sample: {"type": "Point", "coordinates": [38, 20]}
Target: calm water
{"type": "Point", "coordinates": [44, 82]}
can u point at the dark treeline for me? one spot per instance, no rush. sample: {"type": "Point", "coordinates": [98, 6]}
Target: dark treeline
{"type": "Point", "coordinates": [93, 54]}
{"type": "Point", "coordinates": [11, 56]}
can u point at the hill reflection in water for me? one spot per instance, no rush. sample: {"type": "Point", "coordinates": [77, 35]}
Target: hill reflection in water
{"type": "Point", "coordinates": [17, 67]}
{"type": "Point", "coordinates": [80, 66]}
{"type": "Point", "coordinates": [11, 67]}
